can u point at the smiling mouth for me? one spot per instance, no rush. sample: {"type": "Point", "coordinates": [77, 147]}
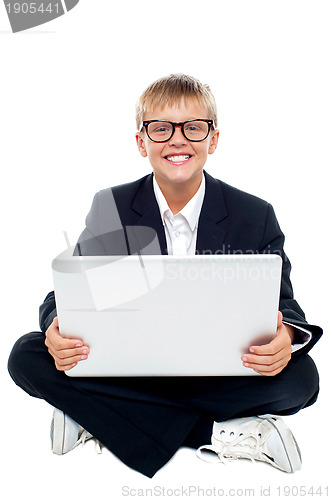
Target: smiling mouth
{"type": "Point", "coordinates": [177, 158]}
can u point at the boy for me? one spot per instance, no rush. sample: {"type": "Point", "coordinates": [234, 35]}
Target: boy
{"type": "Point", "coordinates": [191, 212]}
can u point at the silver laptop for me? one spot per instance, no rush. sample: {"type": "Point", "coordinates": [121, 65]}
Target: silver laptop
{"type": "Point", "coordinates": [164, 315]}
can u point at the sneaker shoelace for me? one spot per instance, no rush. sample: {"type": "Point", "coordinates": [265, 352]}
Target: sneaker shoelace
{"type": "Point", "coordinates": [85, 436]}
{"type": "Point", "coordinates": [243, 446]}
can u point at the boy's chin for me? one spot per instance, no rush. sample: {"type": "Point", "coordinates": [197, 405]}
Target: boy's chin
{"type": "Point", "coordinates": [178, 175]}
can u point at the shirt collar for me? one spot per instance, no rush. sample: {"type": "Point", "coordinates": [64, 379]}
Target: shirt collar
{"type": "Point", "coordinates": [191, 211]}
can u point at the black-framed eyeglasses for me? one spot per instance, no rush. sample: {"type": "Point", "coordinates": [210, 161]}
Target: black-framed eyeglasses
{"type": "Point", "coordinates": [162, 130]}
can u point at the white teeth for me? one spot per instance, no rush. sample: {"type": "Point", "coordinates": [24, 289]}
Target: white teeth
{"type": "Point", "coordinates": [178, 158]}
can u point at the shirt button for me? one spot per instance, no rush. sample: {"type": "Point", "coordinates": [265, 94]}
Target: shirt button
{"type": "Point", "coordinates": [177, 234]}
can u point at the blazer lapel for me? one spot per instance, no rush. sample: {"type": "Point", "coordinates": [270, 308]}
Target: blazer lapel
{"type": "Point", "coordinates": [211, 233]}
{"type": "Point", "coordinates": [146, 207]}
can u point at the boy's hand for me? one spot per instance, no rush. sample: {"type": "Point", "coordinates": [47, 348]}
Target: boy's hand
{"type": "Point", "coordinates": [270, 359]}
{"type": "Point", "coordinates": [65, 352]}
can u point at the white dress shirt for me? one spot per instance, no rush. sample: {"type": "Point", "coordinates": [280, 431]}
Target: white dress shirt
{"type": "Point", "coordinates": [181, 234]}
{"type": "Point", "coordinates": [181, 229]}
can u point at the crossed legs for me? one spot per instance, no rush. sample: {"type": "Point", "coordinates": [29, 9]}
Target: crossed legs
{"type": "Point", "coordinates": [160, 414]}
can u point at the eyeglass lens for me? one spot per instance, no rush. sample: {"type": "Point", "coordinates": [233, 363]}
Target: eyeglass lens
{"type": "Point", "coordinates": [193, 130]}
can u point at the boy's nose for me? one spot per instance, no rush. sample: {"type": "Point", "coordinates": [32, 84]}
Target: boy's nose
{"type": "Point", "coordinates": [178, 137]}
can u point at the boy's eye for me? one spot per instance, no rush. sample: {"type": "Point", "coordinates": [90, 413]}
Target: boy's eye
{"type": "Point", "coordinates": [193, 127]}
{"type": "Point", "coordinates": [160, 128]}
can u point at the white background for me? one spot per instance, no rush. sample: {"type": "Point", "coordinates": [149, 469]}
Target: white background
{"type": "Point", "coordinates": [68, 93]}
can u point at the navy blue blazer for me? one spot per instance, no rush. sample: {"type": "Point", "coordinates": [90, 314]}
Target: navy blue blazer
{"type": "Point", "coordinates": [231, 221]}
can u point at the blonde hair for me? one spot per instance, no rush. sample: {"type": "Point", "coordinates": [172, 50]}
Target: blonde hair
{"type": "Point", "coordinates": [169, 90]}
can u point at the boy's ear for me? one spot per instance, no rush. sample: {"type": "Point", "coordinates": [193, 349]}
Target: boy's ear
{"type": "Point", "coordinates": [214, 141]}
{"type": "Point", "coordinates": [140, 144]}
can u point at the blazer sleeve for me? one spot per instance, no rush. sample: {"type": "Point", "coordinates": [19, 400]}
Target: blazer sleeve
{"type": "Point", "coordinates": [101, 236]}
{"type": "Point", "coordinates": [103, 233]}
{"type": "Point", "coordinates": [273, 242]}
{"type": "Point", "coordinates": [47, 312]}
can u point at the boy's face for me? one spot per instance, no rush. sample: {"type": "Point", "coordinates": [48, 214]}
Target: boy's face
{"type": "Point", "coordinates": [168, 158]}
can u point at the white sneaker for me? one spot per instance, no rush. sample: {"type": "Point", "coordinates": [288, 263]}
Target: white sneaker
{"type": "Point", "coordinates": [265, 438]}
{"type": "Point", "coordinates": [66, 434]}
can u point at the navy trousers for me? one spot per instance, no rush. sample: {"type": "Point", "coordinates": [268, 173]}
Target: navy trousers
{"type": "Point", "coordinates": [145, 420]}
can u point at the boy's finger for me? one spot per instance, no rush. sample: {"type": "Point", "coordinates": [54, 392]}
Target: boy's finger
{"type": "Point", "coordinates": [69, 353]}
{"type": "Point", "coordinates": [65, 368]}
{"type": "Point", "coordinates": [266, 350]}
{"type": "Point", "coordinates": [60, 343]}
{"type": "Point", "coordinates": [276, 345]}
{"type": "Point", "coordinates": [67, 359]}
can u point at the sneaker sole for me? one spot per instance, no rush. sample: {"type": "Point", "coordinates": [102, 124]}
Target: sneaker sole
{"type": "Point", "coordinates": [59, 425]}
{"type": "Point", "coordinates": [291, 449]}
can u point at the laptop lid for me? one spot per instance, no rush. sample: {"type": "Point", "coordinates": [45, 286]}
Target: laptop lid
{"type": "Point", "coordinates": [167, 315]}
